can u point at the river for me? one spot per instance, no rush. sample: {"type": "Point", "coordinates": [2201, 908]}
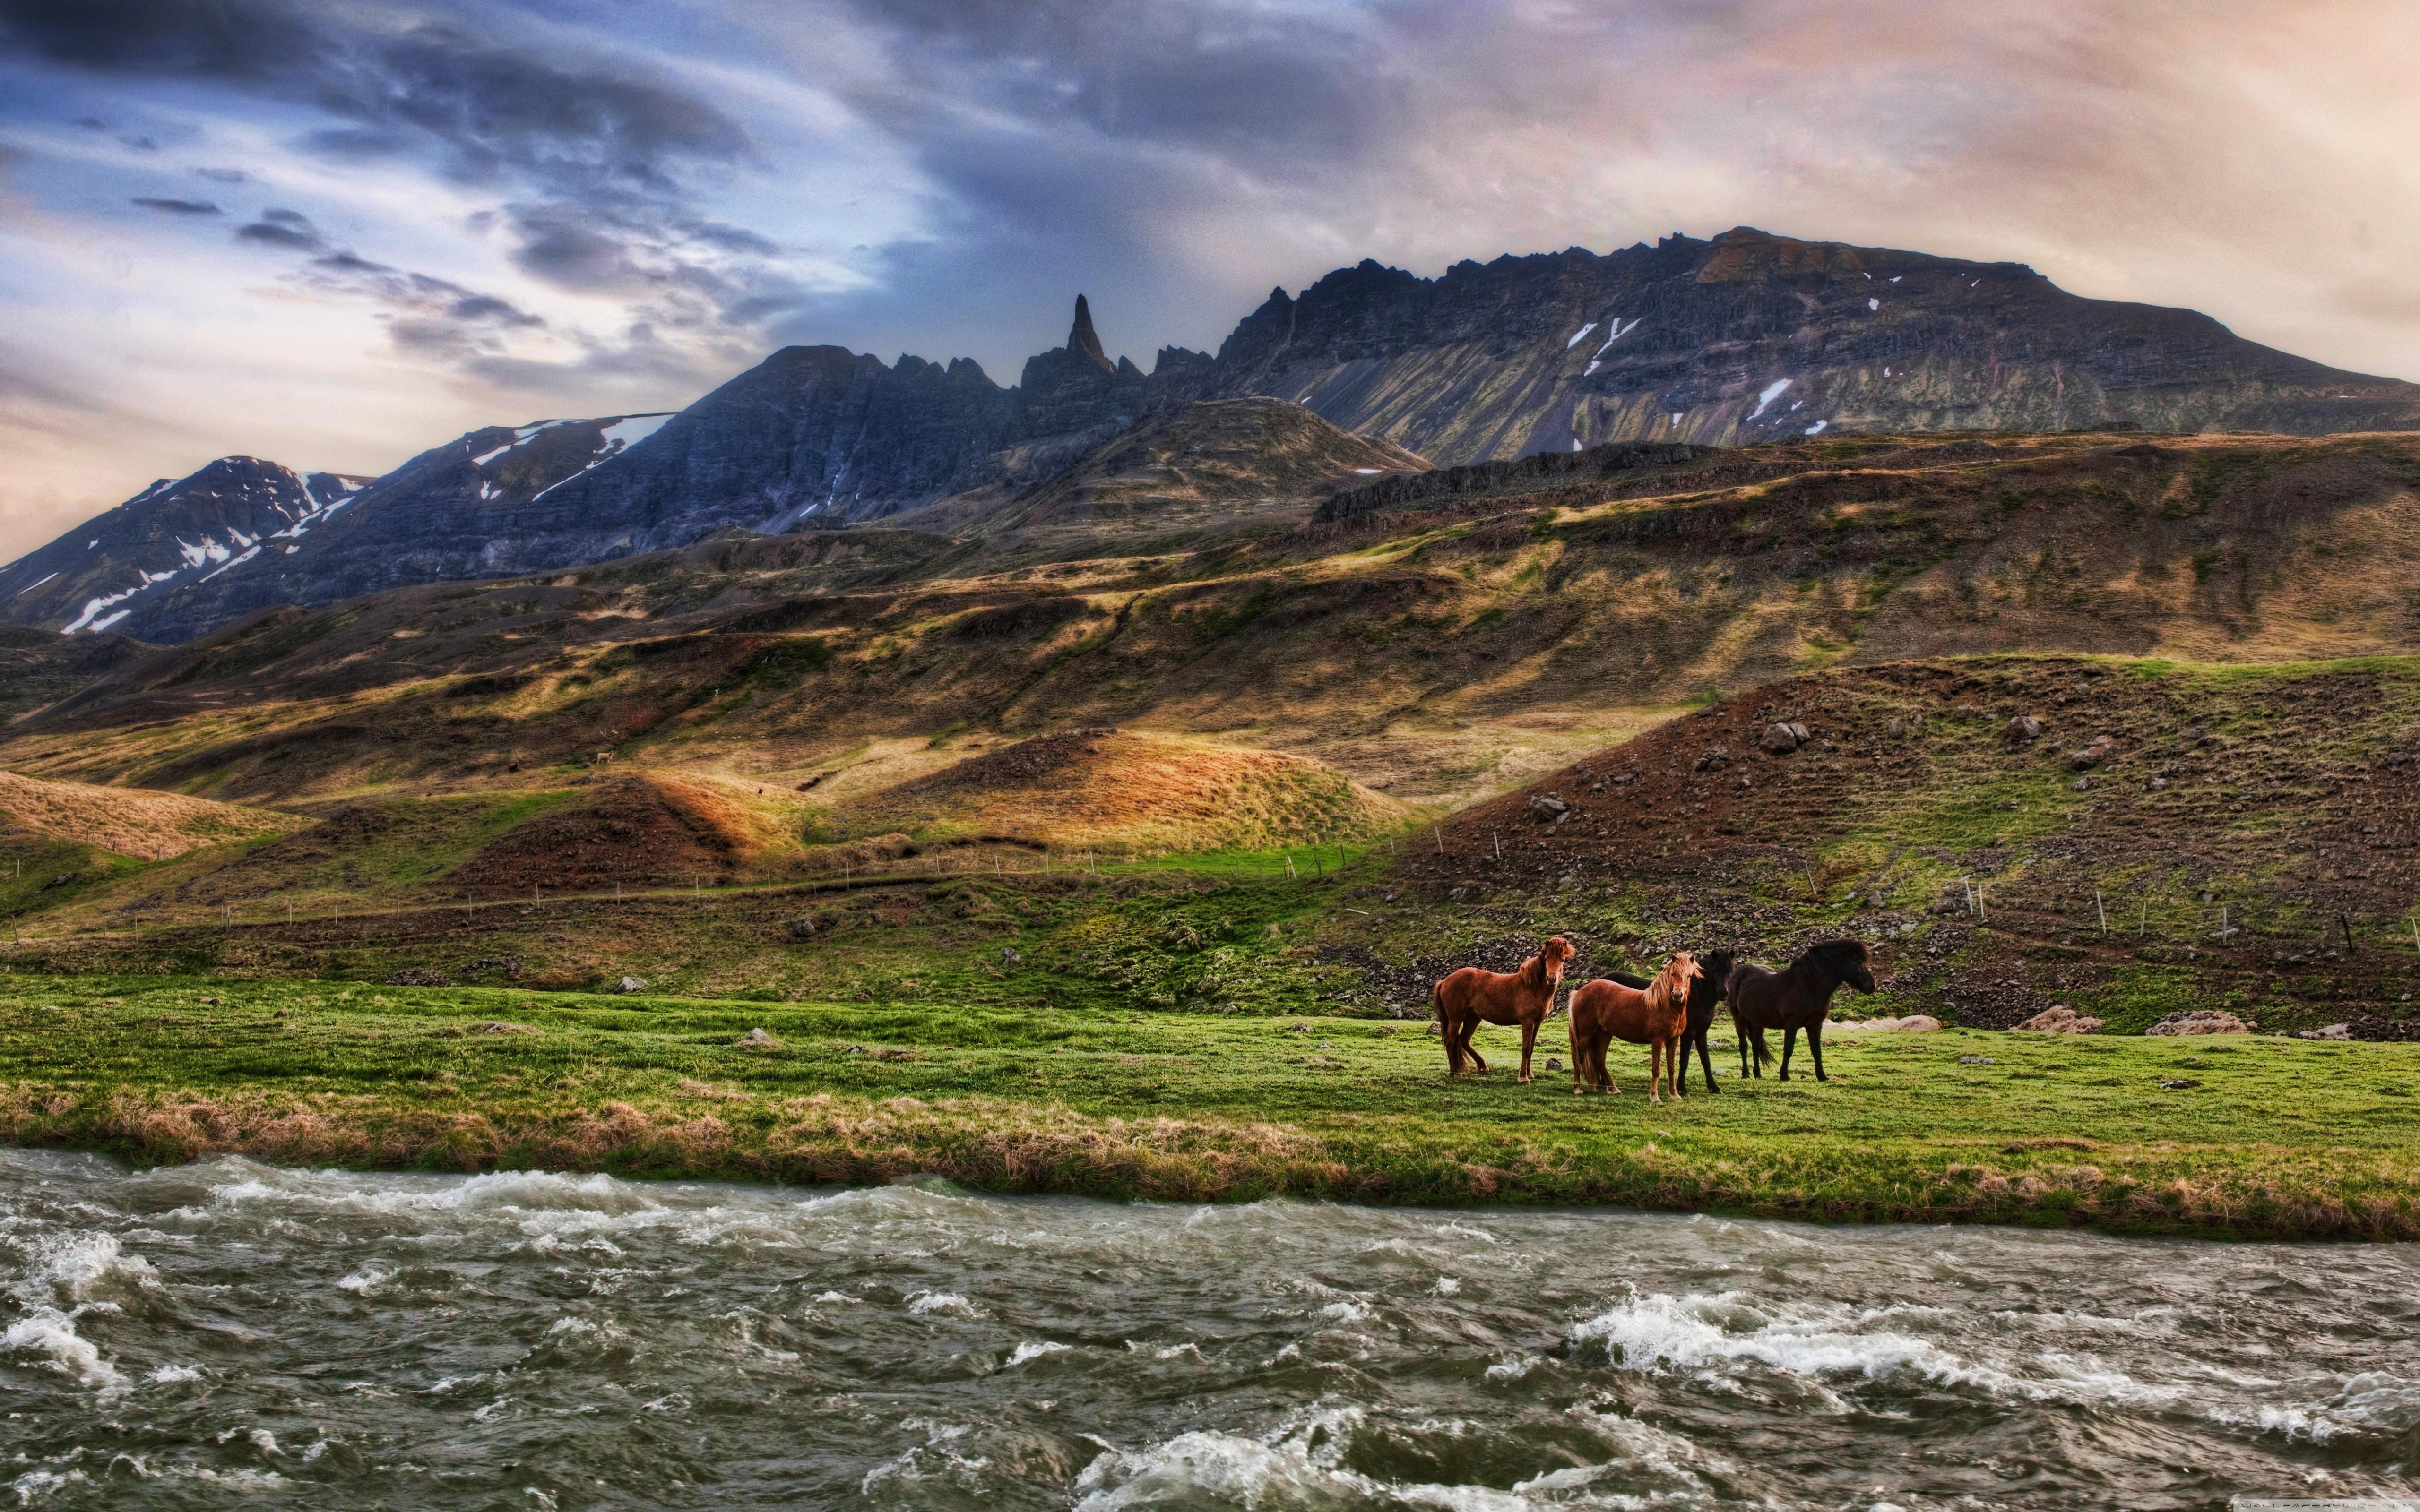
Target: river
{"type": "Point", "coordinates": [233, 1334]}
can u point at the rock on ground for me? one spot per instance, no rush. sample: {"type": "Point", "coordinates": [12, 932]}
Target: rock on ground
{"type": "Point", "coordinates": [2060, 1018]}
{"type": "Point", "coordinates": [1913, 1023]}
{"type": "Point", "coordinates": [2201, 1020]}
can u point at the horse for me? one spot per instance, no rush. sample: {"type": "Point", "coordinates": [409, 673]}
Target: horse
{"type": "Point", "coordinates": [1526, 996]}
{"type": "Point", "coordinates": [1706, 994]}
{"type": "Point", "coordinates": [1796, 997]}
{"type": "Point", "coordinates": [1656, 1016]}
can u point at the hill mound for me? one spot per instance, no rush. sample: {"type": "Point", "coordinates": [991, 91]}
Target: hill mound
{"type": "Point", "coordinates": [1107, 787]}
{"type": "Point", "coordinates": [2128, 839]}
{"type": "Point", "coordinates": [149, 825]}
{"type": "Point", "coordinates": [638, 831]}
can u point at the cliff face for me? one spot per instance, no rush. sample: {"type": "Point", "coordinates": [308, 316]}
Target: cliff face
{"type": "Point", "coordinates": [1750, 337]}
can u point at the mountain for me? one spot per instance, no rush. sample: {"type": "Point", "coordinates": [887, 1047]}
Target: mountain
{"type": "Point", "coordinates": [822, 432]}
{"type": "Point", "coordinates": [1750, 338]}
{"type": "Point", "coordinates": [183, 556]}
{"type": "Point", "coordinates": [1169, 479]}
{"type": "Point", "coordinates": [1745, 338]}
{"type": "Point", "coordinates": [176, 534]}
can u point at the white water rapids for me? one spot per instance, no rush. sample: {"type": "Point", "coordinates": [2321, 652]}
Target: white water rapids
{"type": "Point", "coordinates": [229, 1333]}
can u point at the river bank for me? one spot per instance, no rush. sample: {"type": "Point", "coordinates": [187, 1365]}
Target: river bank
{"type": "Point", "coordinates": [2260, 1138]}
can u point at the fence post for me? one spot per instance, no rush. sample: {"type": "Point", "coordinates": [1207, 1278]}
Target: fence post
{"type": "Point", "coordinates": [2103, 910]}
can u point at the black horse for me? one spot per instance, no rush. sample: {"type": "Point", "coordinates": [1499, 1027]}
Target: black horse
{"type": "Point", "coordinates": [1705, 996]}
{"type": "Point", "coordinates": [1796, 997]}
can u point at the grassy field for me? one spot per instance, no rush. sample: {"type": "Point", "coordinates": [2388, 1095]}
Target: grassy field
{"type": "Point", "coordinates": [2274, 1137]}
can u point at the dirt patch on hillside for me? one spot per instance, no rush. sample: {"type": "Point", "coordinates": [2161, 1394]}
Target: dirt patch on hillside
{"type": "Point", "coordinates": [130, 821]}
{"type": "Point", "coordinates": [2158, 829]}
{"type": "Point", "coordinates": [636, 832]}
{"type": "Point", "coordinates": [1105, 787]}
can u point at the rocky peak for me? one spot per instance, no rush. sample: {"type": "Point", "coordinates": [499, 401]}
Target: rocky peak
{"type": "Point", "coordinates": [1083, 341]}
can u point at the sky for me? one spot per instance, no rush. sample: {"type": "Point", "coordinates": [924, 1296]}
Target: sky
{"type": "Point", "coordinates": [338, 233]}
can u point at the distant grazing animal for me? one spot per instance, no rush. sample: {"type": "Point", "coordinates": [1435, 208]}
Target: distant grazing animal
{"type": "Point", "coordinates": [1473, 994]}
{"type": "Point", "coordinates": [1797, 997]}
{"type": "Point", "coordinates": [1706, 994]}
{"type": "Point", "coordinates": [1656, 1016]}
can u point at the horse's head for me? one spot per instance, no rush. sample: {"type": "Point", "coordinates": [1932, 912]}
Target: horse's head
{"type": "Point", "coordinates": [1714, 971]}
{"type": "Point", "coordinates": [1553, 954]}
{"type": "Point", "coordinates": [1679, 974]}
{"type": "Point", "coordinates": [1848, 961]}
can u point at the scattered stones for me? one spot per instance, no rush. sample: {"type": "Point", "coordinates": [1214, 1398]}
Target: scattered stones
{"type": "Point", "coordinates": [1009, 957]}
{"type": "Point", "coordinates": [632, 984]}
{"type": "Point", "coordinates": [1913, 1023]}
{"type": "Point", "coordinates": [2179, 1083]}
{"type": "Point", "coordinates": [2201, 1020]}
{"type": "Point", "coordinates": [1714, 760]}
{"type": "Point", "coordinates": [1968, 711]}
{"type": "Point", "coordinates": [802, 928]}
{"type": "Point", "coordinates": [1974, 1060]}
{"type": "Point", "coordinates": [2330, 1031]}
{"type": "Point", "coordinates": [2060, 1018]}
{"type": "Point", "coordinates": [757, 1040]}
{"type": "Point", "coordinates": [2021, 730]}
{"type": "Point", "coordinates": [1897, 730]}
{"type": "Point", "coordinates": [420, 976]}
{"type": "Point", "coordinates": [1781, 739]}
{"type": "Point", "coordinates": [1553, 1063]}
{"type": "Point", "coordinates": [2157, 784]}
{"type": "Point", "coordinates": [500, 1026]}
{"type": "Point", "coordinates": [1549, 806]}
{"type": "Point", "coordinates": [2092, 755]}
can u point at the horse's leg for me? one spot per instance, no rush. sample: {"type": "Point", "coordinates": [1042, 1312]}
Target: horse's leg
{"type": "Point", "coordinates": [1705, 1060]}
{"type": "Point", "coordinates": [1789, 1042]}
{"type": "Point", "coordinates": [1685, 1061]}
{"type": "Point", "coordinates": [1469, 1049]}
{"type": "Point", "coordinates": [1528, 1042]}
{"type": "Point", "coordinates": [1815, 1048]}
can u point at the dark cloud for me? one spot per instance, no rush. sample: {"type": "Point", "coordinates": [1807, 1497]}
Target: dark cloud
{"type": "Point", "coordinates": [223, 176]}
{"type": "Point", "coordinates": [226, 38]}
{"type": "Point", "coordinates": [280, 236]}
{"type": "Point", "coordinates": [561, 247]}
{"type": "Point", "coordinates": [491, 109]}
{"type": "Point", "coordinates": [289, 229]}
{"type": "Point", "coordinates": [177, 206]}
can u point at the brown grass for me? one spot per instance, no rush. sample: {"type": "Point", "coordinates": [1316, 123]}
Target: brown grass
{"type": "Point", "coordinates": [134, 821]}
{"type": "Point", "coordinates": [1104, 786]}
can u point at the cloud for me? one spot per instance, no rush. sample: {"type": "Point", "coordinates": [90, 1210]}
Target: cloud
{"type": "Point", "coordinates": [289, 229]}
{"type": "Point", "coordinates": [176, 207]}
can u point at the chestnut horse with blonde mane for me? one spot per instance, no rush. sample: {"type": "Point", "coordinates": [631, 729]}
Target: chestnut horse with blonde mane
{"type": "Point", "coordinates": [1656, 1017]}
{"type": "Point", "coordinates": [1474, 993]}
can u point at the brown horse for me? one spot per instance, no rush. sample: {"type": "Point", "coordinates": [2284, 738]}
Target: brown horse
{"type": "Point", "coordinates": [1706, 994]}
{"type": "Point", "coordinates": [1797, 997]}
{"type": "Point", "coordinates": [1656, 1017]}
{"type": "Point", "coordinates": [1524, 997]}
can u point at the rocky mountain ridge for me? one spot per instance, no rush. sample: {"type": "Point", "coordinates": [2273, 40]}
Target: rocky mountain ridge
{"type": "Point", "coordinates": [1744, 338]}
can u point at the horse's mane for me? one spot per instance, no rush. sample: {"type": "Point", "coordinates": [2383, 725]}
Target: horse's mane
{"type": "Point", "coordinates": [1838, 954]}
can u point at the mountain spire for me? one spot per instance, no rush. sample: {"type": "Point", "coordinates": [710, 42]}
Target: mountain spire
{"type": "Point", "coordinates": [1081, 339]}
